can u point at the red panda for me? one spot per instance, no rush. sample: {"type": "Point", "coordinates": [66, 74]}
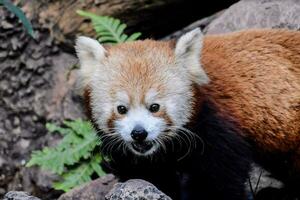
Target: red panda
{"type": "Point", "coordinates": [191, 115]}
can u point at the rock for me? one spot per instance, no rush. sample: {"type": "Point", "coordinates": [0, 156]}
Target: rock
{"type": "Point", "coordinates": [260, 178]}
{"type": "Point", "coordinates": [107, 188]}
{"type": "Point", "coordinates": [95, 190]}
{"type": "Point", "coordinates": [258, 14]}
{"type": "Point", "coordinates": [15, 195]}
{"type": "Point", "coordinates": [248, 14]}
{"type": "Point", "coordinates": [36, 86]}
{"type": "Point", "coordinates": [135, 189]}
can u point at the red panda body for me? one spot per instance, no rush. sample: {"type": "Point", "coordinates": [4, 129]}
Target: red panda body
{"type": "Point", "coordinates": [255, 77]}
{"type": "Point", "coordinates": [191, 117]}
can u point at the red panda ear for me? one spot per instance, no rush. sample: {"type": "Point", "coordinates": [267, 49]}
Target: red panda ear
{"type": "Point", "coordinates": [90, 53]}
{"type": "Point", "coordinates": [188, 55]}
{"type": "Point", "coordinates": [89, 49]}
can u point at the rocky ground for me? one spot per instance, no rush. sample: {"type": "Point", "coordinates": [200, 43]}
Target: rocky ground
{"type": "Point", "coordinates": [37, 86]}
{"type": "Point", "coordinates": [34, 89]}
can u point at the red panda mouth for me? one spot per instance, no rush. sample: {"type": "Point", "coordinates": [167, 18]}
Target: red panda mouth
{"type": "Point", "coordinates": [142, 147]}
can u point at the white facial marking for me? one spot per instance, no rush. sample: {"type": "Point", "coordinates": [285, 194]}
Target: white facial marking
{"type": "Point", "coordinates": [122, 99]}
{"type": "Point", "coordinates": [142, 117]}
{"type": "Point", "coordinates": [151, 96]}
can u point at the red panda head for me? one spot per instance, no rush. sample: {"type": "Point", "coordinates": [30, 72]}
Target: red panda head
{"type": "Point", "coordinates": [141, 92]}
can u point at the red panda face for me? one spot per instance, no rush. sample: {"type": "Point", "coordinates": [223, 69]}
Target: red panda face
{"type": "Point", "coordinates": [140, 92]}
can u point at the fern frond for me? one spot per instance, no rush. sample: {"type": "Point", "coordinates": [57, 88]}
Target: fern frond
{"type": "Point", "coordinates": [133, 37]}
{"type": "Point", "coordinates": [108, 29]}
{"type": "Point", "coordinates": [52, 128]}
{"type": "Point", "coordinates": [78, 143]}
{"type": "Point", "coordinates": [79, 175]}
{"type": "Point", "coordinates": [47, 159]}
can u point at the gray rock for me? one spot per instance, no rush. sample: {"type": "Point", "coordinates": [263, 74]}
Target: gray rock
{"type": "Point", "coordinates": [15, 195]}
{"type": "Point", "coordinates": [95, 190]}
{"type": "Point", "coordinates": [258, 14]}
{"type": "Point", "coordinates": [260, 178]}
{"type": "Point", "coordinates": [248, 14]}
{"type": "Point", "coordinates": [136, 189]}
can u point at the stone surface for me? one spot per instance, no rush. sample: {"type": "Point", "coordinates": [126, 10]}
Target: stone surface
{"type": "Point", "coordinates": [95, 190]}
{"type": "Point", "coordinates": [36, 86]}
{"type": "Point", "coordinates": [260, 178]}
{"type": "Point", "coordinates": [135, 189]}
{"type": "Point", "coordinates": [258, 14]}
{"type": "Point", "coordinates": [104, 188]}
{"type": "Point", "coordinates": [15, 195]}
{"type": "Point", "coordinates": [248, 14]}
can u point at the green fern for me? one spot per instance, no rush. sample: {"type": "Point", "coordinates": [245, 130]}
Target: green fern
{"type": "Point", "coordinates": [108, 29]}
{"type": "Point", "coordinates": [81, 174]}
{"type": "Point", "coordinates": [75, 149]}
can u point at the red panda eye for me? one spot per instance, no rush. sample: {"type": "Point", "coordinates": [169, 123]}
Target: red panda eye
{"type": "Point", "coordinates": [154, 108]}
{"type": "Point", "coordinates": [122, 109]}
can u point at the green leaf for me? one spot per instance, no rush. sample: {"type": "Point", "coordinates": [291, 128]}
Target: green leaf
{"type": "Point", "coordinates": [19, 13]}
{"type": "Point", "coordinates": [78, 143]}
{"type": "Point", "coordinates": [80, 174]}
{"type": "Point", "coordinates": [121, 29]}
{"type": "Point", "coordinates": [96, 167]}
{"type": "Point", "coordinates": [134, 37]}
{"type": "Point", "coordinates": [108, 29]}
{"type": "Point", "coordinates": [47, 159]}
{"type": "Point", "coordinates": [56, 159]}
{"type": "Point", "coordinates": [80, 127]}
{"type": "Point", "coordinates": [74, 177]}
{"type": "Point", "coordinates": [123, 38]}
{"type": "Point", "coordinates": [53, 128]}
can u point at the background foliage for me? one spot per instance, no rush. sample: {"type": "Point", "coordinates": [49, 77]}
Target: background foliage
{"type": "Point", "coordinates": [73, 158]}
{"type": "Point", "coordinates": [108, 29]}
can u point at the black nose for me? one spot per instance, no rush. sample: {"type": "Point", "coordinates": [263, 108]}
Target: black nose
{"type": "Point", "coordinates": [139, 134]}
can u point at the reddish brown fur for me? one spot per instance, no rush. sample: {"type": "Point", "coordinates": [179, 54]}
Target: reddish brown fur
{"type": "Point", "coordinates": [87, 102]}
{"type": "Point", "coordinates": [255, 76]}
{"type": "Point", "coordinates": [163, 114]}
{"type": "Point", "coordinates": [138, 72]}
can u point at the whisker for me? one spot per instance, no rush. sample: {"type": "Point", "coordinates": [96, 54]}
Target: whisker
{"type": "Point", "coordinates": [187, 137]}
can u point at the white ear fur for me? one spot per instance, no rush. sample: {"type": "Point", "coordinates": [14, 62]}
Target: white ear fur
{"type": "Point", "coordinates": [188, 54]}
{"type": "Point", "coordinates": [90, 53]}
